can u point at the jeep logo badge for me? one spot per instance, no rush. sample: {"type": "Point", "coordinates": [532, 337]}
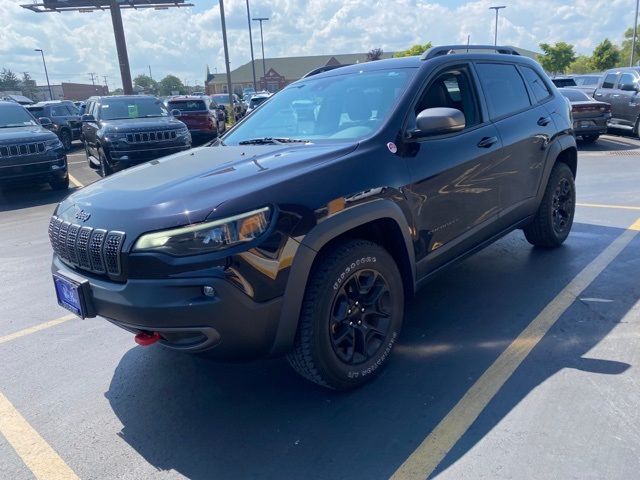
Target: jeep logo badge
{"type": "Point", "coordinates": [82, 216]}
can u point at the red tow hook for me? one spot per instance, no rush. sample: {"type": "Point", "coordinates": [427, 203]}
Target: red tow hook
{"type": "Point", "coordinates": [147, 338]}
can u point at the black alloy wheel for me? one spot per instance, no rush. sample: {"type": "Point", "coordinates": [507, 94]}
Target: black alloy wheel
{"type": "Point", "coordinates": [360, 317]}
{"type": "Point", "coordinates": [65, 138]}
{"type": "Point", "coordinates": [563, 206]}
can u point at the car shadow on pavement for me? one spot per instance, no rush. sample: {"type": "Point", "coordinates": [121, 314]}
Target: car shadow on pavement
{"type": "Point", "coordinates": [260, 420]}
{"type": "Point", "coordinates": [614, 141]}
{"type": "Point", "coordinates": [27, 196]}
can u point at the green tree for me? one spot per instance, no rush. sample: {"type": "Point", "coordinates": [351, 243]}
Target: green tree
{"type": "Point", "coordinates": [117, 91]}
{"type": "Point", "coordinates": [415, 50]}
{"type": "Point", "coordinates": [556, 57]}
{"type": "Point", "coordinates": [374, 54]}
{"type": "Point", "coordinates": [170, 84]}
{"type": "Point", "coordinates": [582, 64]}
{"type": "Point", "coordinates": [9, 80]}
{"type": "Point", "coordinates": [606, 55]}
{"type": "Point", "coordinates": [28, 86]}
{"type": "Point", "coordinates": [625, 51]}
{"type": "Point", "coordinates": [146, 82]}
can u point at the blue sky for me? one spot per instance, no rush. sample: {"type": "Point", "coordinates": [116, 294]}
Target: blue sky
{"type": "Point", "coordinates": [184, 41]}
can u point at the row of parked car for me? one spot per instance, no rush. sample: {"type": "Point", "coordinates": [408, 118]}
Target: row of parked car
{"type": "Point", "coordinates": [603, 100]}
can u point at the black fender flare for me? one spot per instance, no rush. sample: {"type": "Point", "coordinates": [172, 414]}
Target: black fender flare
{"type": "Point", "coordinates": [313, 242]}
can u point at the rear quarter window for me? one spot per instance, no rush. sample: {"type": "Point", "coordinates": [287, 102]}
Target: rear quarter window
{"type": "Point", "coordinates": [504, 89]}
{"type": "Point", "coordinates": [537, 85]}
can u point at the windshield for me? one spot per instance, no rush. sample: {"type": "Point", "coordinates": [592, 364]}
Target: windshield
{"type": "Point", "coordinates": [15, 116]}
{"type": "Point", "coordinates": [255, 101]}
{"type": "Point", "coordinates": [120, 108]}
{"type": "Point", "coordinates": [587, 80]}
{"type": "Point", "coordinates": [340, 107]}
{"type": "Point", "coordinates": [224, 98]}
{"type": "Point", "coordinates": [188, 105]}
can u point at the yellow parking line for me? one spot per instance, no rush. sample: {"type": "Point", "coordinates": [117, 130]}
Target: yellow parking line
{"type": "Point", "coordinates": [75, 181]}
{"type": "Point", "coordinates": [426, 458]}
{"type": "Point", "coordinates": [600, 205]}
{"type": "Point", "coordinates": [36, 328]}
{"type": "Point", "coordinates": [35, 452]}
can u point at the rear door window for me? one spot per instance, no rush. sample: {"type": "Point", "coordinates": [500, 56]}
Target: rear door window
{"type": "Point", "coordinates": [626, 79]}
{"type": "Point", "coordinates": [537, 85]}
{"type": "Point", "coordinates": [609, 80]}
{"type": "Point", "coordinates": [504, 89]}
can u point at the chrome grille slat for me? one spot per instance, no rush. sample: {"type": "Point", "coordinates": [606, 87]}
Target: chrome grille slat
{"type": "Point", "coordinates": [95, 250]}
{"type": "Point", "coordinates": [21, 149]}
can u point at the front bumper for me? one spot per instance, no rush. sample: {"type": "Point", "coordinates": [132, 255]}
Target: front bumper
{"type": "Point", "coordinates": [34, 170]}
{"type": "Point", "coordinates": [123, 156]}
{"type": "Point", "coordinates": [230, 324]}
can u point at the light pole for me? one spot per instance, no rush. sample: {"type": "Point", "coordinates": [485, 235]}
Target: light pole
{"type": "Point", "coordinates": [635, 33]}
{"type": "Point", "coordinates": [264, 68]}
{"type": "Point", "coordinates": [497, 9]}
{"type": "Point", "coordinates": [226, 62]}
{"type": "Point", "coordinates": [46, 74]}
{"type": "Point", "coordinates": [253, 63]}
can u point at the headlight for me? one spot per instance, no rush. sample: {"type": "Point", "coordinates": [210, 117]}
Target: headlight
{"type": "Point", "coordinates": [53, 143]}
{"type": "Point", "coordinates": [114, 136]}
{"type": "Point", "coordinates": [182, 132]}
{"type": "Point", "coordinates": [207, 237]}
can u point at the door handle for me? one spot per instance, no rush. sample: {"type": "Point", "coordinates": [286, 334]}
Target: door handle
{"type": "Point", "coordinates": [615, 95]}
{"type": "Point", "coordinates": [544, 121]}
{"type": "Point", "coordinates": [486, 142]}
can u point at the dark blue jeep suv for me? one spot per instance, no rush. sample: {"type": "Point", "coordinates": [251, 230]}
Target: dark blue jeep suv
{"type": "Point", "coordinates": [303, 230]}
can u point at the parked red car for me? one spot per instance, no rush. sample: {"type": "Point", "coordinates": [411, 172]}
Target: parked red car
{"type": "Point", "coordinates": [202, 115]}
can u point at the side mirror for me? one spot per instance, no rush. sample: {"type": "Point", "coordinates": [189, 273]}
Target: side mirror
{"type": "Point", "coordinates": [175, 112]}
{"type": "Point", "coordinates": [45, 122]}
{"type": "Point", "coordinates": [88, 118]}
{"type": "Point", "coordinates": [438, 121]}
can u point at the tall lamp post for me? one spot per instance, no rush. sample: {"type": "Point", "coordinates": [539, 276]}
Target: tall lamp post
{"type": "Point", "coordinates": [635, 33]}
{"type": "Point", "coordinates": [497, 9]}
{"type": "Point", "coordinates": [46, 74]}
{"type": "Point", "coordinates": [226, 62]}
{"type": "Point", "coordinates": [264, 67]}
{"type": "Point", "coordinates": [253, 63]}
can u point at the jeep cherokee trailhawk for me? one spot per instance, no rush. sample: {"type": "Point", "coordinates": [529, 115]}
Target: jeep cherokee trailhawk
{"type": "Point", "coordinates": [302, 230]}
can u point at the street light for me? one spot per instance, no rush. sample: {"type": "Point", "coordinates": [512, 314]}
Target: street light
{"type": "Point", "coordinates": [253, 63]}
{"type": "Point", "coordinates": [635, 33]}
{"type": "Point", "coordinates": [262, 19]}
{"type": "Point", "coordinates": [45, 71]}
{"type": "Point", "coordinates": [497, 9]}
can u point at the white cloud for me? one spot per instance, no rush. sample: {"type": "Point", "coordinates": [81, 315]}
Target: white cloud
{"type": "Point", "coordinates": [183, 41]}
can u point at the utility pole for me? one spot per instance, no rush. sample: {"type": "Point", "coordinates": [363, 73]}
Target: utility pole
{"type": "Point", "coordinates": [46, 74]}
{"type": "Point", "coordinates": [497, 9]}
{"type": "Point", "coordinates": [105, 82]}
{"type": "Point", "coordinates": [226, 62]}
{"type": "Point", "coordinates": [150, 76]}
{"type": "Point", "coordinates": [635, 34]}
{"type": "Point", "coordinates": [264, 68]}
{"type": "Point", "coordinates": [93, 77]}
{"type": "Point", "coordinates": [253, 63]}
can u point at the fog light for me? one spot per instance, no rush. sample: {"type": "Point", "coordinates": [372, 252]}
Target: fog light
{"type": "Point", "coordinates": [209, 291]}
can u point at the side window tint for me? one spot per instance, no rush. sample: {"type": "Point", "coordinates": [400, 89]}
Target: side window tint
{"type": "Point", "coordinates": [504, 88]}
{"type": "Point", "coordinates": [626, 79]}
{"type": "Point", "coordinates": [536, 83]}
{"type": "Point", "coordinates": [609, 80]}
{"type": "Point", "coordinates": [452, 89]}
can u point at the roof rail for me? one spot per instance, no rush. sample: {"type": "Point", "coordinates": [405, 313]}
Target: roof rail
{"type": "Point", "coordinates": [447, 49]}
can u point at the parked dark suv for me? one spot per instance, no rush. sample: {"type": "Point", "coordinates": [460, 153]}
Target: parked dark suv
{"type": "Point", "coordinates": [619, 87]}
{"type": "Point", "coordinates": [304, 229]}
{"type": "Point", "coordinates": [65, 118]}
{"type": "Point", "coordinates": [121, 131]}
{"type": "Point", "coordinates": [29, 153]}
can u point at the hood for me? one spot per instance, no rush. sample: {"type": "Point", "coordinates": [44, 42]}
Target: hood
{"type": "Point", "coordinates": [33, 133]}
{"type": "Point", "coordinates": [141, 124]}
{"type": "Point", "coordinates": [187, 187]}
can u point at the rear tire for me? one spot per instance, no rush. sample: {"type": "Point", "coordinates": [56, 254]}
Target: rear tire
{"type": "Point", "coordinates": [552, 223]}
{"type": "Point", "coordinates": [351, 316]}
{"type": "Point", "coordinates": [590, 138]}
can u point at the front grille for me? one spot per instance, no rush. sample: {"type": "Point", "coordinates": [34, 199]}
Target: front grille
{"type": "Point", "coordinates": [156, 136]}
{"type": "Point", "coordinates": [95, 250]}
{"type": "Point", "coordinates": [21, 149]}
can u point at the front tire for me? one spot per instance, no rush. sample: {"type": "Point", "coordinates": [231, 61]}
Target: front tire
{"type": "Point", "coordinates": [552, 223]}
{"type": "Point", "coordinates": [65, 138]}
{"type": "Point", "coordinates": [351, 316]}
{"type": "Point", "coordinates": [590, 138]}
{"type": "Point", "coordinates": [105, 168]}
{"type": "Point", "coordinates": [60, 183]}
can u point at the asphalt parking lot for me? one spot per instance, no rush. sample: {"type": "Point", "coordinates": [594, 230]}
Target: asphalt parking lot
{"type": "Point", "coordinates": [517, 363]}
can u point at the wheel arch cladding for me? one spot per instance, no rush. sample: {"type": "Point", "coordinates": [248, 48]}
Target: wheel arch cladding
{"type": "Point", "coordinates": [380, 221]}
{"type": "Point", "coordinates": [570, 157]}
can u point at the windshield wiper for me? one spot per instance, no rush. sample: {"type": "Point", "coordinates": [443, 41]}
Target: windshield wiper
{"type": "Point", "coordinates": [271, 141]}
